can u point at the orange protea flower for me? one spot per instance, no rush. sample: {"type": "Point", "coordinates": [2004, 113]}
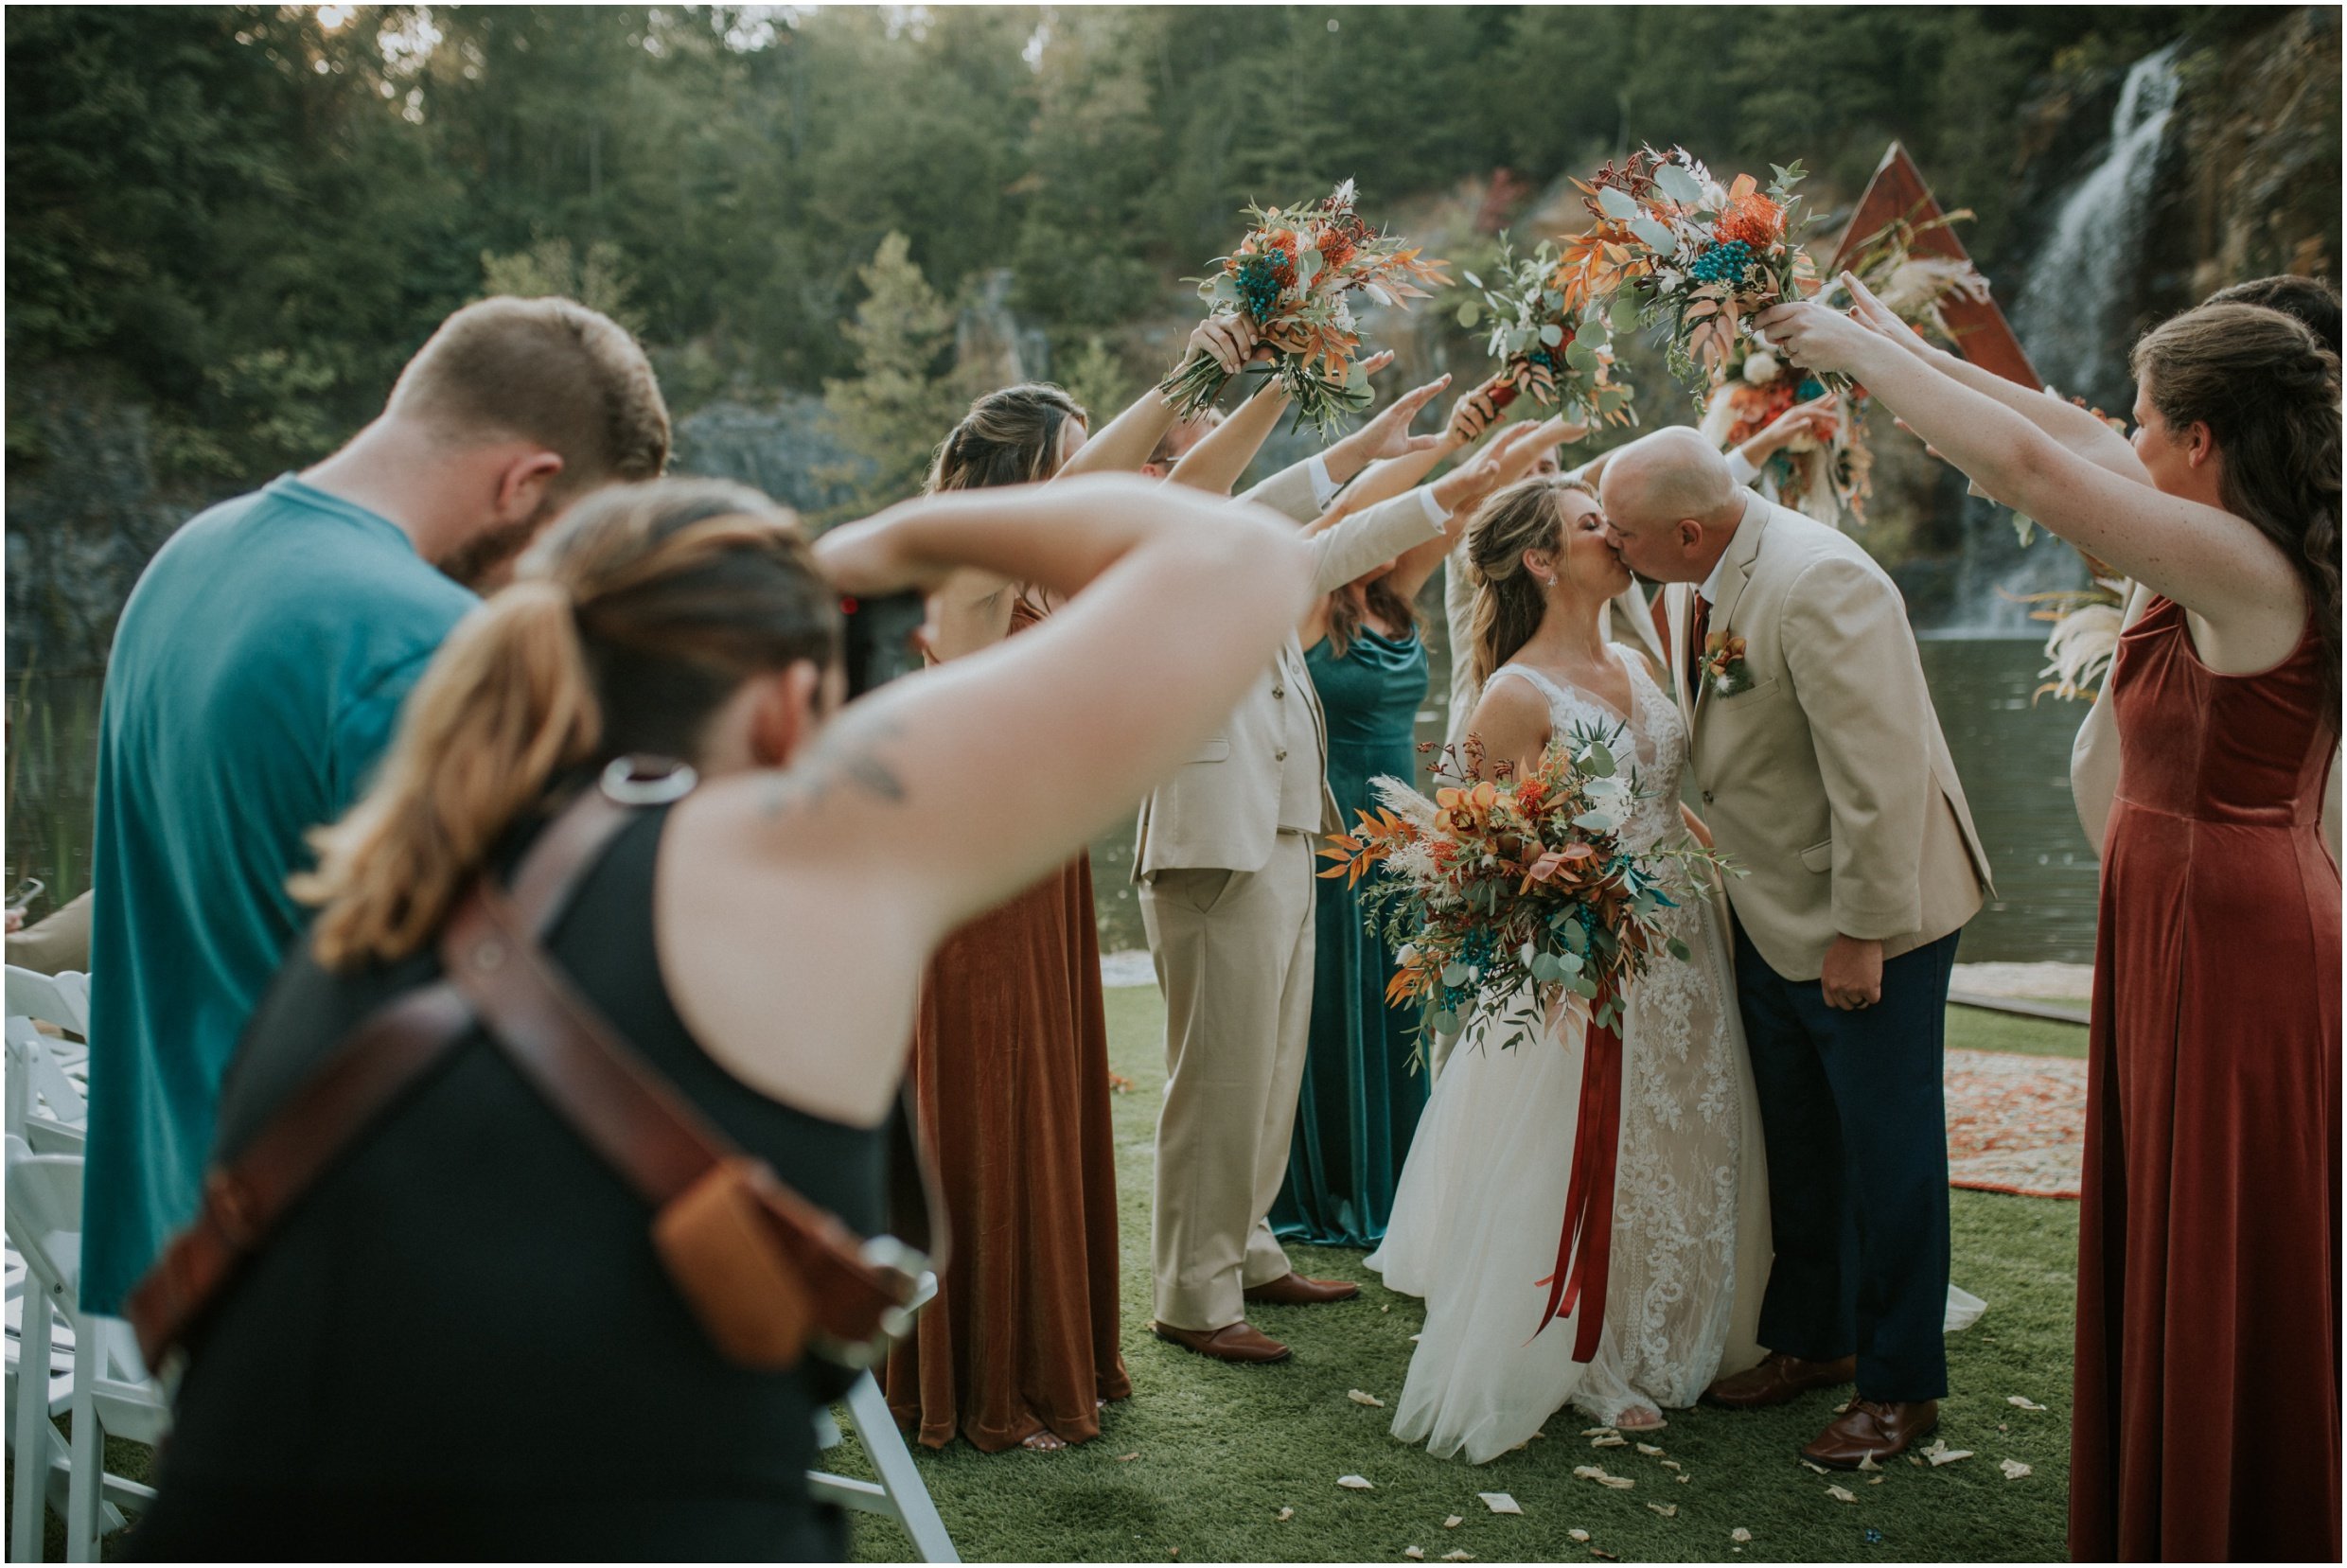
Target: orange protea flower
{"type": "Point", "coordinates": [1750, 215]}
{"type": "Point", "coordinates": [1334, 245]}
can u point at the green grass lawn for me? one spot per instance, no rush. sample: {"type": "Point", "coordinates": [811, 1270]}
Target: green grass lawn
{"type": "Point", "coordinates": [1199, 1464]}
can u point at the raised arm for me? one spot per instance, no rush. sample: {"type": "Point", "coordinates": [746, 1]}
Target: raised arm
{"type": "Point", "coordinates": [2066, 422]}
{"type": "Point", "coordinates": [1224, 452]}
{"type": "Point", "coordinates": [1123, 444]}
{"type": "Point", "coordinates": [1011, 760]}
{"type": "Point", "coordinates": [800, 905]}
{"type": "Point", "coordinates": [2216, 565]}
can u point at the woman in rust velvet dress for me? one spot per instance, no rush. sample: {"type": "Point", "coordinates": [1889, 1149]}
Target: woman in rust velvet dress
{"type": "Point", "coordinates": [1010, 1074]}
{"type": "Point", "coordinates": [2206, 1413]}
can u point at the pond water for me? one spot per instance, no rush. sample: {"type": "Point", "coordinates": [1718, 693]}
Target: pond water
{"type": "Point", "coordinates": [2013, 759]}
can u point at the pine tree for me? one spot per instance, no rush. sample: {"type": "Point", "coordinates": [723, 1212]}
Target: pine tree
{"type": "Point", "coordinates": [904, 396]}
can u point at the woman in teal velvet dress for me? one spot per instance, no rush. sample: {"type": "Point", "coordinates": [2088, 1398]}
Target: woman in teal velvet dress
{"type": "Point", "coordinates": [1362, 1094]}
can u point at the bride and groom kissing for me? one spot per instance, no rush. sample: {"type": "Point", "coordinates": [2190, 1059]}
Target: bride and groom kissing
{"type": "Point", "coordinates": [1780, 1214]}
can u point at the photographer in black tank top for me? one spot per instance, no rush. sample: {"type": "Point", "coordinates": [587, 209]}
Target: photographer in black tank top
{"type": "Point", "coordinates": [461, 1341]}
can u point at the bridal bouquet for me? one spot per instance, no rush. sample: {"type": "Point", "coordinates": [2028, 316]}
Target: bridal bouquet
{"type": "Point", "coordinates": [1704, 259]}
{"type": "Point", "coordinates": [1563, 358]}
{"type": "Point", "coordinates": [1291, 278]}
{"type": "Point", "coordinates": [1515, 890]}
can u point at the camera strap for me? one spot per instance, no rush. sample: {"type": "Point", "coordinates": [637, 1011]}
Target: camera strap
{"type": "Point", "coordinates": [496, 976]}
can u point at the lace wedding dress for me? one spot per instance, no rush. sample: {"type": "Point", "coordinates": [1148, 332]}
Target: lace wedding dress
{"type": "Point", "coordinates": [1482, 1194]}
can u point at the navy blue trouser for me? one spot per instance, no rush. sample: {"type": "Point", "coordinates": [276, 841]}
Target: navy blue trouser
{"type": "Point", "coordinates": [1851, 1107]}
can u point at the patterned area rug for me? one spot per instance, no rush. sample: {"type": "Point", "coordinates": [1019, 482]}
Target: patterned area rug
{"type": "Point", "coordinates": [2016, 1124]}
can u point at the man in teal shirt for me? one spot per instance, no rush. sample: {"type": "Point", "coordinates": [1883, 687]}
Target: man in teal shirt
{"type": "Point", "coordinates": [257, 673]}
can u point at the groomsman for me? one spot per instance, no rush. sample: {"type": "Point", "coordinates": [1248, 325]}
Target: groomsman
{"type": "Point", "coordinates": [1822, 773]}
{"type": "Point", "coordinates": [1226, 867]}
{"type": "Point", "coordinates": [257, 673]}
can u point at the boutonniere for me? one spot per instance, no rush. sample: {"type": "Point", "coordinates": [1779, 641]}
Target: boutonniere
{"type": "Point", "coordinates": [1723, 664]}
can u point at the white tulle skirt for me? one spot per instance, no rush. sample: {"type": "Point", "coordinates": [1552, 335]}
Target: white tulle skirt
{"type": "Point", "coordinates": [1481, 1200]}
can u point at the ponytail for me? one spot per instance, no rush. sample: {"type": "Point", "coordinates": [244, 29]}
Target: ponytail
{"type": "Point", "coordinates": [625, 630]}
{"type": "Point", "coordinates": [504, 709]}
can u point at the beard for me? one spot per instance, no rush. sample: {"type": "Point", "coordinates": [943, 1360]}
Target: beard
{"type": "Point", "coordinates": [484, 563]}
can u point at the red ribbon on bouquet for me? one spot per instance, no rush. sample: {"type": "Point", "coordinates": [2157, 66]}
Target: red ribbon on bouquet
{"type": "Point", "coordinates": [1585, 1248]}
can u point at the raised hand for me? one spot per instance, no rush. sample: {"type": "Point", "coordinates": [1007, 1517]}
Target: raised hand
{"type": "Point", "coordinates": [1815, 336]}
{"type": "Point", "coordinates": [1228, 341]}
{"type": "Point", "coordinates": [1507, 459]}
{"type": "Point", "coordinates": [1388, 434]}
{"type": "Point", "coordinates": [1871, 311]}
{"type": "Point", "coordinates": [1815, 418]}
{"type": "Point", "coordinates": [1477, 410]}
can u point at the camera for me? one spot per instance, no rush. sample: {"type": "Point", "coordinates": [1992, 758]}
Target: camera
{"type": "Point", "coordinates": [878, 641]}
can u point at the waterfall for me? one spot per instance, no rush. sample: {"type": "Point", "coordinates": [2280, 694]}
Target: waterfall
{"type": "Point", "coordinates": [2073, 308]}
{"type": "Point", "coordinates": [2077, 305]}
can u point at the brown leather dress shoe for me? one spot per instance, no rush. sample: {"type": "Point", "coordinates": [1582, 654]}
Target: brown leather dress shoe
{"type": "Point", "coordinates": [1294, 1290]}
{"type": "Point", "coordinates": [1778, 1378]}
{"type": "Point", "coordinates": [1239, 1342]}
{"type": "Point", "coordinates": [1872, 1427]}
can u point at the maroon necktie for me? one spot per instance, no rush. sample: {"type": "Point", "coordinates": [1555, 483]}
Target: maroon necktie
{"type": "Point", "coordinates": [1699, 631]}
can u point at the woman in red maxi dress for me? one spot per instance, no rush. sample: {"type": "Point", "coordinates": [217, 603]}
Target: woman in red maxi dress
{"type": "Point", "coordinates": [2206, 1419]}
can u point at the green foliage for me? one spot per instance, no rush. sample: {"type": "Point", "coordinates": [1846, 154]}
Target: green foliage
{"type": "Point", "coordinates": [192, 189]}
{"type": "Point", "coordinates": [1095, 376]}
{"type": "Point", "coordinates": [904, 396]}
{"type": "Point", "coordinates": [600, 280]}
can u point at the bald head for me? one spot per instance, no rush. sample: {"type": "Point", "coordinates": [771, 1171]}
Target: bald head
{"type": "Point", "coordinates": [1670, 503]}
{"type": "Point", "coordinates": [1670, 474]}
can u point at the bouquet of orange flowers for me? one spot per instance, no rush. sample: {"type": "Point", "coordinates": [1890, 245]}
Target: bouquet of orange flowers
{"type": "Point", "coordinates": [1563, 358]}
{"type": "Point", "coordinates": [1516, 889]}
{"type": "Point", "coordinates": [1704, 259]}
{"type": "Point", "coordinates": [1290, 277]}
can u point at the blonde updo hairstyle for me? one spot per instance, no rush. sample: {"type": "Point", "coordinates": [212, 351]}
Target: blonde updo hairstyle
{"type": "Point", "coordinates": [1527, 515]}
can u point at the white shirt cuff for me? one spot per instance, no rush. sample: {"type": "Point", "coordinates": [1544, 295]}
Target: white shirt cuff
{"type": "Point", "coordinates": [1323, 488]}
{"type": "Point", "coordinates": [1436, 515]}
{"type": "Point", "coordinates": [1741, 470]}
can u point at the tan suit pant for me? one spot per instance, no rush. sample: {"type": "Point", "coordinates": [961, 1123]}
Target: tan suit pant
{"type": "Point", "coordinates": [1234, 959]}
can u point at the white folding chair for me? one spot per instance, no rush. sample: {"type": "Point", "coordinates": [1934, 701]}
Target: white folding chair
{"type": "Point", "coordinates": [899, 1494]}
{"type": "Point", "coordinates": [48, 1075]}
{"type": "Point", "coordinates": [113, 1395]}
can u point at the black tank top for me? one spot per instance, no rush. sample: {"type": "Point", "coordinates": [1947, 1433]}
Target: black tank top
{"type": "Point", "coordinates": [467, 1310]}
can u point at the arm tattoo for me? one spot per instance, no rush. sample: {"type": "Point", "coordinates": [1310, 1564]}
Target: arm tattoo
{"type": "Point", "coordinates": [849, 756]}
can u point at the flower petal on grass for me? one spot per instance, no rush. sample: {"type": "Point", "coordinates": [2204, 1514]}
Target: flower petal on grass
{"type": "Point", "coordinates": [1416, 1554]}
{"type": "Point", "coordinates": [1359, 1397]}
{"type": "Point", "coordinates": [1499, 1502]}
{"type": "Point", "coordinates": [1669, 1511]}
{"type": "Point", "coordinates": [1940, 1454]}
{"type": "Point", "coordinates": [1841, 1494]}
{"type": "Point", "coordinates": [1356, 1483]}
{"type": "Point", "coordinates": [1283, 1516]}
{"type": "Point", "coordinates": [2014, 1470]}
{"type": "Point", "coordinates": [1582, 1536]}
{"type": "Point", "coordinates": [1650, 1448]}
{"type": "Point", "coordinates": [1820, 1469]}
{"type": "Point", "coordinates": [2018, 1402]}
{"type": "Point", "coordinates": [1739, 1535]}
{"type": "Point", "coordinates": [1867, 1462]}
{"type": "Point", "coordinates": [1453, 1522]}
{"type": "Point", "coordinates": [1612, 1439]}
{"type": "Point", "coordinates": [1597, 1474]}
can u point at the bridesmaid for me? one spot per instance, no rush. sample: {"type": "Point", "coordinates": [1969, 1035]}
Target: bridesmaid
{"type": "Point", "coordinates": [2207, 1402]}
{"type": "Point", "coordinates": [1009, 1065]}
{"type": "Point", "coordinates": [1363, 1086]}
{"type": "Point", "coordinates": [1361, 1093]}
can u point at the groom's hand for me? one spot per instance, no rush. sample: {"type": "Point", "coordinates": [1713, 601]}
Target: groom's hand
{"type": "Point", "coordinates": [1853, 974]}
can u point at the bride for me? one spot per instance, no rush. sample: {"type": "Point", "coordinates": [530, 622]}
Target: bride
{"type": "Point", "coordinates": [1476, 1222]}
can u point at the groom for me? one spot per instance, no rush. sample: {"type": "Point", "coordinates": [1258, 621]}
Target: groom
{"type": "Point", "coordinates": [1822, 774]}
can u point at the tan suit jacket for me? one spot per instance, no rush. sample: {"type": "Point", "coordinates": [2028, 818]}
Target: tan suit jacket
{"type": "Point", "coordinates": [1826, 778]}
{"type": "Point", "coordinates": [1222, 810]}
